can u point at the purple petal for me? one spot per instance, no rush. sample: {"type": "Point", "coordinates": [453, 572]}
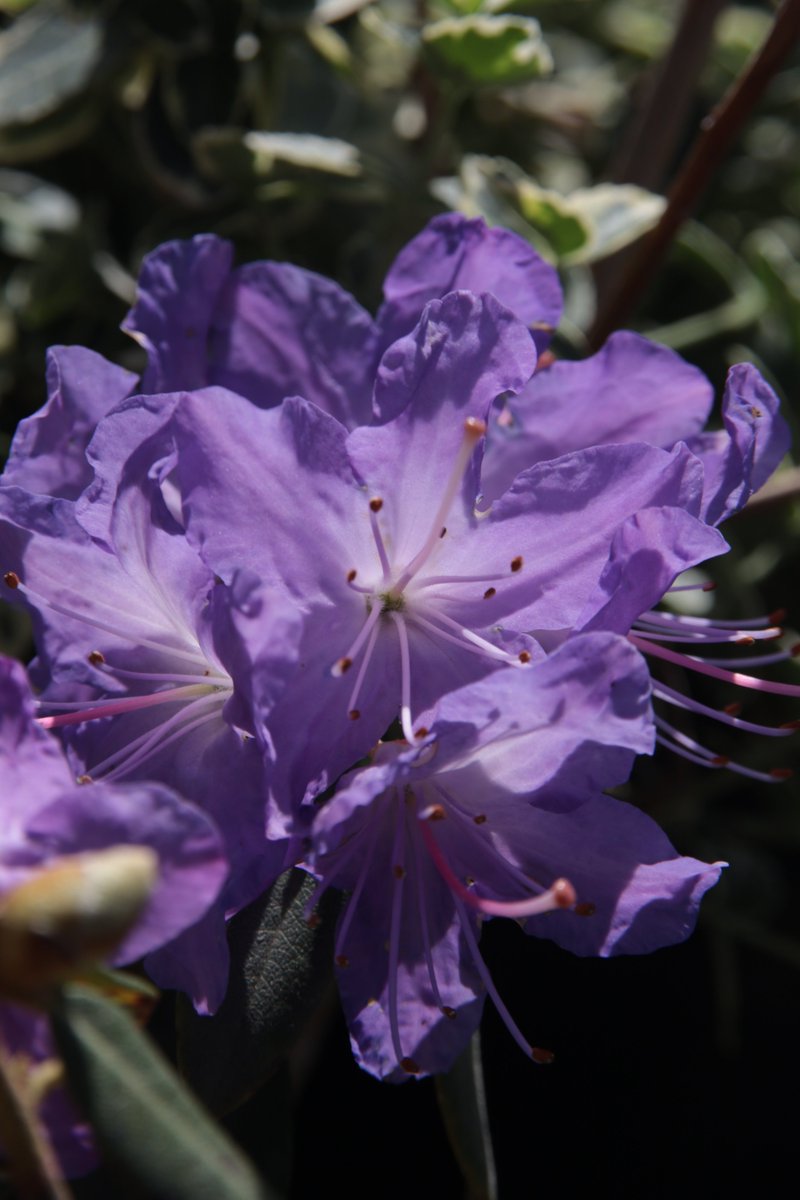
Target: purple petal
{"type": "Point", "coordinates": [739, 459]}
{"type": "Point", "coordinates": [179, 284]}
{"type": "Point", "coordinates": [48, 453]}
{"type": "Point", "coordinates": [647, 553]}
{"type": "Point", "coordinates": [644, 895]}
{"type": "Point", "coordinates": [453, 253]}
{"type": "Point", "coordinates": [192, 864]}
{"type": "Point", "coordinates": [196, 962]}
{"type": "Point", "coordinates": [632, 390]}
{"type": "Point", "coordinates": [281, 331]}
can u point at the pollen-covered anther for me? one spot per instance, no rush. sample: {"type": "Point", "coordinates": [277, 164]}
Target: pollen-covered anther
{"type": "Point", "coordinates": [376, 504]}
{"type": "Point", "coordinates": [563, 893]}
{"type": "Point", "coordinates": [755, 412]}
{"type": "Point", "coordinates": [313, 920]}
{"type": "Point", "coordinates": [516, 563]}
{"type": "Point", "coordinates": [746, 640]}
{"type": "Point", "coordinates": [409, 1066]}
{"type": "Point", "coordinates": [96, 658]}
{"type": "Point", "coordinates": [790, 725]}
{"type": "Point", "coordinates": [524, 657]}
{"type": "Point", "coordinates": [351, 574]}
{"type": "Point", "coordinates": [341, 666]}
{"type": "Point", "coordinates": [710, 586]}
{"type": "Point", "coordinates": [782, 773]}
{"type": "Point", "coordinates": [732, 710]}
{"type": "Point", "coordinates": [11, 579]}
{"type": "Point", "coordinates": [719, 760]}
{"type": "Point", "coordinates": [543, 1057]}
{"type": "Point", "coordinates": [398, 871]}
{"type": "Point", "coordinates": [342, 960]}
{"type": "Point", "coordinates": [422, 732]}
{"type": "Point", "coordinates": [444, 531]}
{"type": "Point", "coordinates": [585, 909]}
{"type": "Point", "coordinates": [84, 779]}
{"type": "Point", "coordinates": [354, 714]}
{"type": "Point", "coordinates": [434, 813]}
{"type": "Point", "coordinates": [480, 819]}
{"type": "Point", "coordinates": [474, 428]}
{"type": "Point", "coordinates": [487, 595]}
{"type": "Point", "coordinates": [448, 1011]}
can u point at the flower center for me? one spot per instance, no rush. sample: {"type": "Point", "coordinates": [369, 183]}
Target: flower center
{"type": "Point", "coordinates": [422, 607]}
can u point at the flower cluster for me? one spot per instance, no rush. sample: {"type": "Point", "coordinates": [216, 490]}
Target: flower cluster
{"type": "Point", "coordinates": [307, 538]}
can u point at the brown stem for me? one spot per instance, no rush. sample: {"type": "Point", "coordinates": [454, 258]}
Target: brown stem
{"type": "Point", "coordinates": [718, 131]}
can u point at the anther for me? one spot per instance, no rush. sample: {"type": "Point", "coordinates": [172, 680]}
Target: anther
{"type": "Point", "coordinates": [516, 563]}
{"type": "Point", "coordinates": [563, 893]}
{"type": "Point", "coordinates": [755, 412]}
{"type": "Point", "coordinates": [376, 504]}
{"type": "Point", "coordinates": [313, 920]}
{"type": "Point", "coordinates": [719, 760]}
{"type": "Point", "coordinates": [585, 909]}
{"type": "Point", "coordinates": [474, 427]}
{"type": "Point", "coordinates": [778, 617]}
{"type": "Point", "coordinates": [354, 714]}
{"type": "Point", "coordinates": [448, 1011]}
{"type": "Point", "coordinates": [732, 710]}
{"type": "Point", "coordinates": [398, 871]}
{"type": "Point", "coordinates": [745, 641]}
{"type": "Point", "coordinates": [351, 575]}
{"type": "Point", "coordinates": [524, 656]}
{"type": "Point", "coordinates": [342, 666]}
{"type": "Point", "coordinates": [543, 1057]}
{"type": "Point", "coordinates": [480, 819]}
{"type": "Point", "coordinates": [710, 586]}
{"type": "Point", "coordinates": [84, 779]}
{"type": "Point", "coordinates": [435, 813]}
{"type": "Point", "coordinates": [409, 1066]}
{"type": "Point", "coordinates": [444, 531]}
{"type": "Point", "coordinates": [11, 579]}
{"type": "Point", "coordinates": [342, 960]}
{"type": "Point", "coordinates": [422, 732]}
{"type": "Point", "coordinates": [96, 658]}
{"type": "Point", "coordinates": [487, 595]}
{"type": "Point", "coordinates": [782, 773]}
{"type": "Point", "coordinates": [790, 725]}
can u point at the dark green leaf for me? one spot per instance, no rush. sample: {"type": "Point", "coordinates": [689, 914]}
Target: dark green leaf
{"type": "Point", "coordinates": [145, 1119]}
{"type": "Point", "coordinates": [462, 1100]}
{"type": "Point", "coordinates": [280, 968]}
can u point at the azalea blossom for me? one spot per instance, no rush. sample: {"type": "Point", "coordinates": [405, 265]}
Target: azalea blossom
{"type": "Point", "coordinates": [137, 646]}
{"type": "Point", "coordinates": [498, 812]}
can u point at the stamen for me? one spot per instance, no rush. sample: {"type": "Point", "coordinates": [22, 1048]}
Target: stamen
{"type": "Point", "coordinates": [474, 430]}
{"type": "Point", "coordinates": [398, 854]}
{"type": "Point", "coordinates": [94, 709]}
{"type": "Point", "coordinates": [725, 716]}
{"type": "Point", "coordinates": [422, 912]}
{"type": "Point", "coordinates": [693, 752]}
{"type": "Point", "coordinates": [405, 678]}
{"type": "Point", "coordinates": [362, 671]}
{"type": "Point", "coordinates": [703, 667]}
{"type": "Point", "coordinates": [375, 507]}
{"type": "Point", "coordinates": [343, 664]}
{"type": "Point", "coordinates": [560, 895]}
{"type": "Point", "coordinates": [143, 747]}
{"type": "Point", "coordinates": [364, 871]}
{"type": "Point", "coordinates": [485, 647]}
{"type": "Point", "coordinates": [12, 579]}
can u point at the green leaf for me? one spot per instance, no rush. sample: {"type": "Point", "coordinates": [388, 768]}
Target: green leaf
{"type": "Point", "coordinates": [280, 969]}
{"type": "Point", "coordinates": [462, 1101]}
{"type": "Point", "coordinates": [46, 57]}
{"type": "Point", "coordinates": [586, 225]}
{"type": "Point", "coordinates": [483, 50]}
{"type": "Point", "coordinates": [145, 1119]}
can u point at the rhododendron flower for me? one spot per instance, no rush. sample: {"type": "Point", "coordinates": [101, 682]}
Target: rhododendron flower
{"type": "Point", "coordinates": [498, 812]}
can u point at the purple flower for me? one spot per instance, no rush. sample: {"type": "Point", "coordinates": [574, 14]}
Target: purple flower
{"type": "Point", "coordinates": [497, 813]}
{"type": "Point", "coordinates": [47, 816]}
{"type": "Point", "coordinates": [406, 588]}
{"type": "Point", "coordinates": [137, 648]}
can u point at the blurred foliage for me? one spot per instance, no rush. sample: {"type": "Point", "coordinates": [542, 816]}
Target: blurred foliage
{"type": "Point", "coordinates": [327, 133]}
